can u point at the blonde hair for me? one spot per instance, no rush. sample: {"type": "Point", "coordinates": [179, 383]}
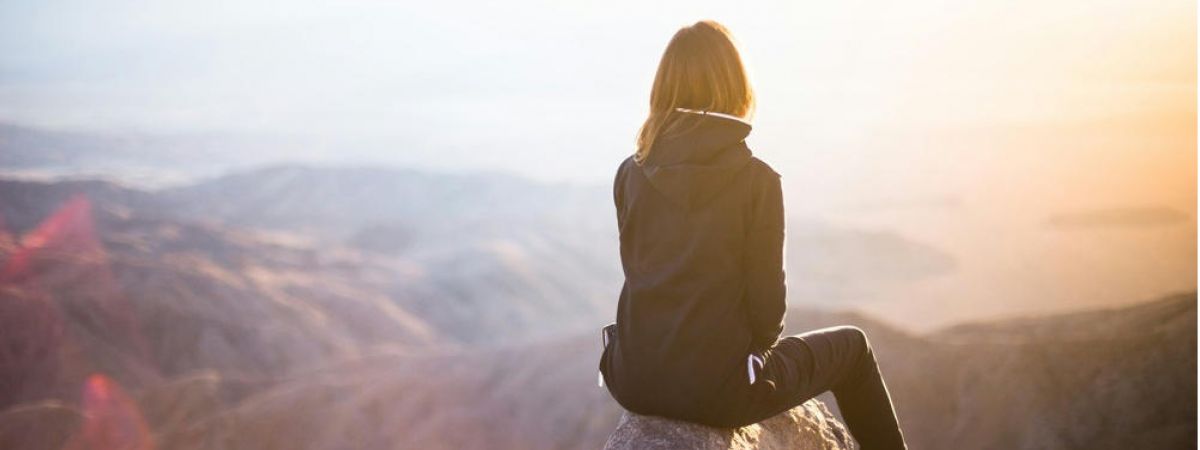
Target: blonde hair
{"type": "Point", "coordinates": [700, 70]}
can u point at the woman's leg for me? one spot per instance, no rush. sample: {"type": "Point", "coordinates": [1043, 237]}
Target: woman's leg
{"type": "Point", "coordinates": [840, 359]}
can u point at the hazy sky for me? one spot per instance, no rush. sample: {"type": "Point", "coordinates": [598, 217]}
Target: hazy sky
{"type": "Point", "coordinates": [556, 90]}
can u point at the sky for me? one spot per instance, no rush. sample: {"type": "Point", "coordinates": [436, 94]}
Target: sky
{"type": "Point", "coordinates": [555, 90]}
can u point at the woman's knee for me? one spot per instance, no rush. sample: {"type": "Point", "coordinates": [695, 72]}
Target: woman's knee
{"type": "Point", "coordinates": [856, 336]}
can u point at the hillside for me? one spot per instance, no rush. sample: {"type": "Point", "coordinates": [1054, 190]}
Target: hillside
{"type": "Point", "coordinates": [1098, 379]}
{"type": "Point", "coordinates": [142, 299]}
{"type": "Point", "coordinates": [125, 308]}
{"type": "Point", "coordinates": [472, 284]}
{"type": "Point", "coordinates": [953, 389]}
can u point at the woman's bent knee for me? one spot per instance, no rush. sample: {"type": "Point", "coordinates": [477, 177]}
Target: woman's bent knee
{"type": "Point", "coordinates": [855, 334]}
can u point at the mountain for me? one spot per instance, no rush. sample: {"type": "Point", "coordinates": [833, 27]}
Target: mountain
{"type": "Point", "coordinates": [533, 251]}
{"type": "Point", "coordinates": [1069, 384]}
{"type": "Point", "coordinates": [1103, 379]}
{"type": "Point", "coordinates": [1098, 379]}
{"type": "Point", "coordinates": [148, 159]}
{"type": "Point", "coordinates": [910, 257]}
{"type": "Point", "coordinates": [340, 201]}
{"type": "Point", "coordinates": [146, 299]}
{"type": "Point", "coordinates": [492, 255]}
{"type": "Point", "coordinates": [541, 258]}
{"type": "Point", "coordinates": [531, 271]}
{"type": "Point", "coordinates": [1127, 217]}
{"type": "Point", "coordinates": [129, 309]}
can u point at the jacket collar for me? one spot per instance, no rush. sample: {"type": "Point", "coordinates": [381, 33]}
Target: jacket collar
{"type": "Point", "coordinates": [696, 162]}
{"type": "Point", "coordinates": [713, 114]}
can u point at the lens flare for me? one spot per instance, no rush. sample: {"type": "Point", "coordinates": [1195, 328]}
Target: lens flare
{"type": "Point", "coordinates": [111, 419]}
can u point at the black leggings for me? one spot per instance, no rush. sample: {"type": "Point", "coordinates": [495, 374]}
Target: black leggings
{"type": "Point", "coordinates": [835, 359]}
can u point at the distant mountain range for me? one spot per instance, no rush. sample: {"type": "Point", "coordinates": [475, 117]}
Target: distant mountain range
{"type": "Point", "coordinates": [921, 260]}
{"type": "Point", "coordinates": [146, 159]}
{"type": "Point", "coordinates": [261, 310]}
{"type": "Point", "coordinates": [478, 255]}
{"type": "Point", "coordinates": [502, 279]}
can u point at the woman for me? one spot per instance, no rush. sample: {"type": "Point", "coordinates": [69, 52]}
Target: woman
{"type": "Point", "coordinates": [701, 231]}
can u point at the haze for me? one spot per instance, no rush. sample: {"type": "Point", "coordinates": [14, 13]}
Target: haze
{"type": "Point", "coordinates": [966, 125]}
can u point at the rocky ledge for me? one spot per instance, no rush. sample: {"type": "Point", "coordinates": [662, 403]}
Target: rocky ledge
{"type": "Point", "coordinates": [808, 426]}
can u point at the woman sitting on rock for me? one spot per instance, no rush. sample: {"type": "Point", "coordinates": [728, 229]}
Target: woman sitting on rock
{"type": "Point", "coordinates": [701, 224]}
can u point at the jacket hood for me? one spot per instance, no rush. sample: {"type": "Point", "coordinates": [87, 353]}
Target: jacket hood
{"type": "Point", "coordinates": [693, 166]}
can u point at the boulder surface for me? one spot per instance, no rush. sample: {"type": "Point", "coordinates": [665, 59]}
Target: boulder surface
{"type": "Point", "coordinates": [808, 426]}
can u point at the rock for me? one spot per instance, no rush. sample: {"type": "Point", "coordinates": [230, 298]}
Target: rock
{"type": "Point", "coordinates": [808, 426]}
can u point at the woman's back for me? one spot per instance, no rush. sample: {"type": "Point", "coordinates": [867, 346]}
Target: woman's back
{"type": "Point", "coordinates": [701, 233]}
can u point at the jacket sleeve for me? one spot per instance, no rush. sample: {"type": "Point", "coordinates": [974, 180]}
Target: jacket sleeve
{"type": "Point", "coordinates": [766, 290]}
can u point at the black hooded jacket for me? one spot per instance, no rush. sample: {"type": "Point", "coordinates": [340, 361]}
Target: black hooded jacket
{"type": "Point", "coordinates": [701, 232]}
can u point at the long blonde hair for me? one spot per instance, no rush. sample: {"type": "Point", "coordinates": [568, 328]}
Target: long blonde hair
{"type": "Point", "coordinates": [700, 70]}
